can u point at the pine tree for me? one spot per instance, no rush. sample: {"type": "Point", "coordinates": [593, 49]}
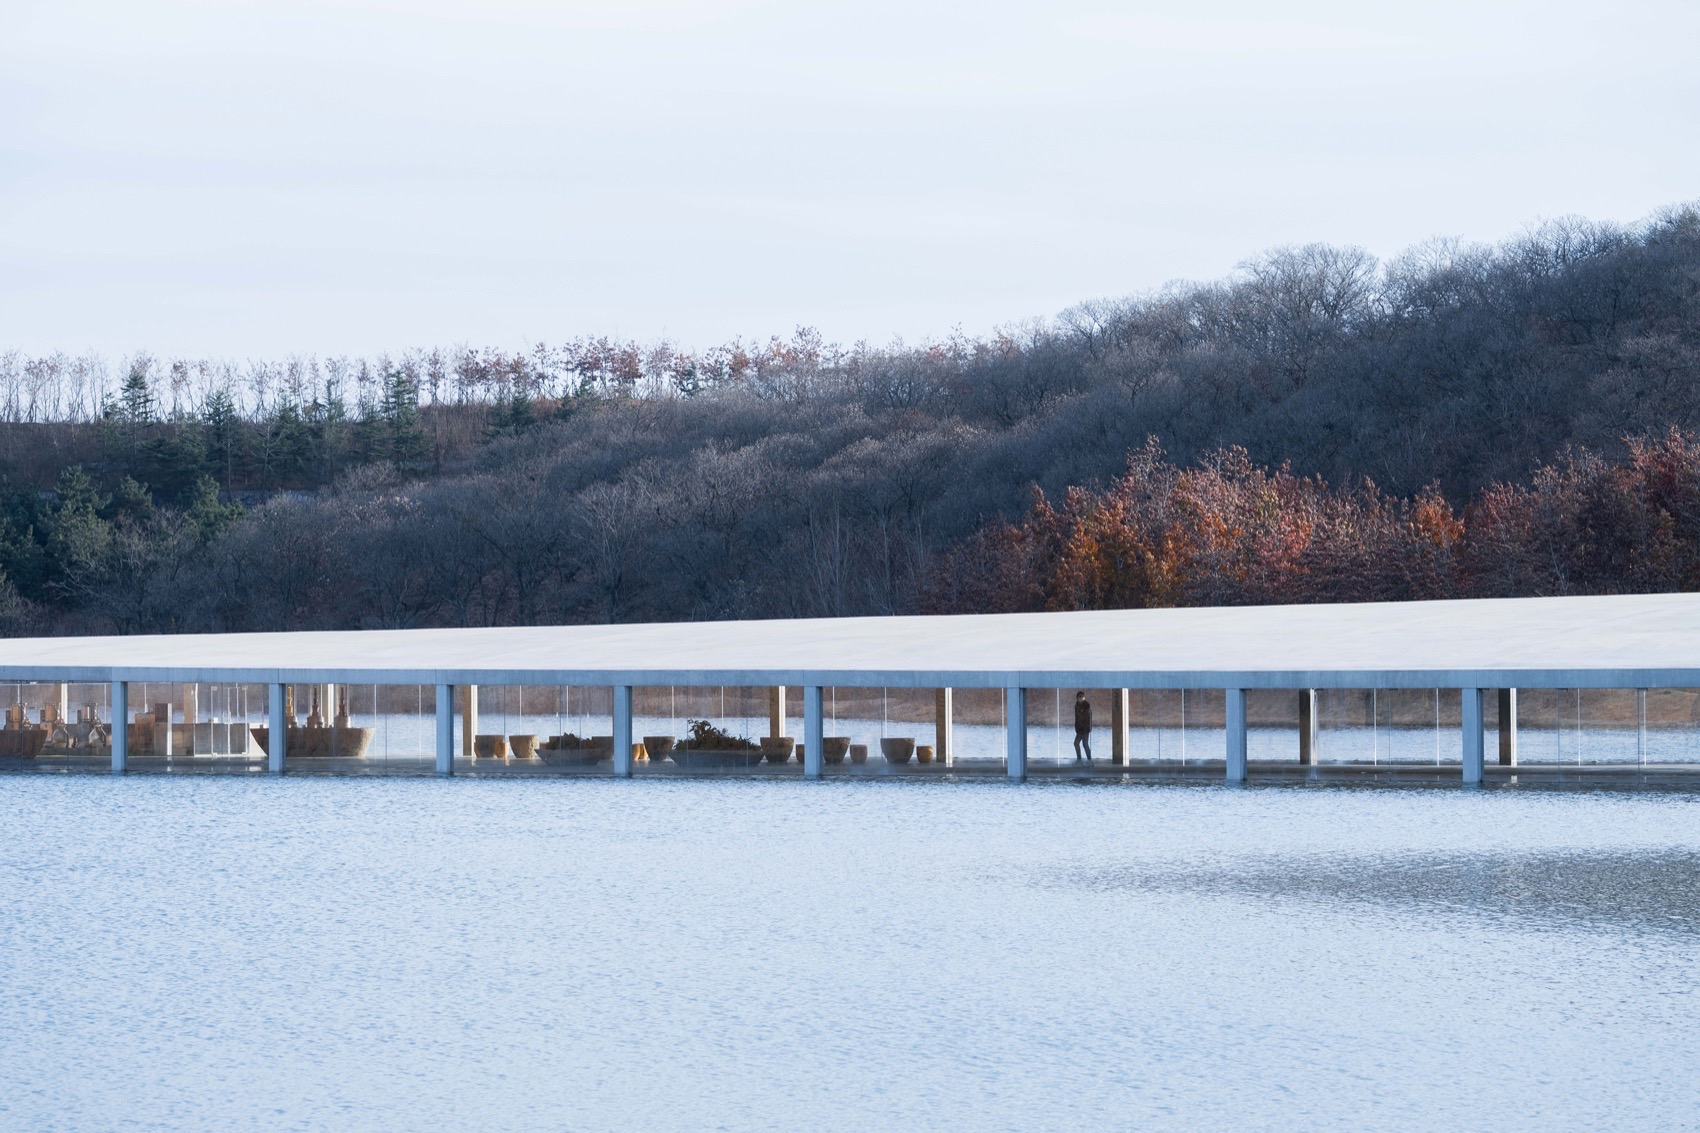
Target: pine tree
{"type": "Point", "coordinates": [206, 515]}
{"type": "Point", "coordinates": [400, 411]}
{"type": "Point", "coordinates": [513, 416]}
{"type": "Point", "coordinates": [136, 399]}
{"type": "Point", "coordinates": [287, 444]}
{"type": "Point", "coordinates": [223, 439]}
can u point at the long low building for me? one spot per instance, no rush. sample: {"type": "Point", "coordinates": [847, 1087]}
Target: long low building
{"type": "Point", "coordinates": [1480, 647]}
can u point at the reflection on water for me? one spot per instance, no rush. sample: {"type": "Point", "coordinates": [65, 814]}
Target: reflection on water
{"type": "Point", "coordinates": [1611, 891]}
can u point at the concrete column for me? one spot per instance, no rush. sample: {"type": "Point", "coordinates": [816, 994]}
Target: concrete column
{"type": "Point", "coordinates": [445, 729]}
{"type": "Point", "coordinates": [776, 710]}
{"type": "Point", "coordinates": [120, 725]}
{"type": "Point", "coordinates": [1508, 727]}
{"type": "Point", "coordinates": [1307, 727]}
{"type": "Point", "coordinates": [623, 731]}
{"type": "Point", "coordinates": [1640, 726]}
{"type": "Point", "coordinates": [468, 720]}
{"type": "Point", "coordinates": [1236, 735]}
{"type": "Point", "coordinates": [814, 733]}
{"type": "Point", "coordinates": [62, 704]}
{"type": "Point", "coordinates": [1474, 740]}
{"type": "Point", "coordinates": [277, 730]}
{"type": "Point", "coordinates": [1118, 725]}
{"type": "Point", "coordinates": [1015, 733]}
{"type": "Point", "coordinates": [943, 709]}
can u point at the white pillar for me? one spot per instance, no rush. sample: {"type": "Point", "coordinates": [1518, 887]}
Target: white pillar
{"type": "Point", "coordinates": [623, 730]}
{"type": "Point", "coordinates": [468, 721]}
{"type": "Point", "coordinates": [1508, 727]}
{"type": "Point", "coordinates": [1015, 733]}
{"type": "Point", "coordinates": [1473, 735]}
{"type": "Point", "coordinates": [1236, 735]}
{"type": "Point", "coordinates": [277, 730]}
{"type": "Point", "coordinates": [776, 711]}
{"type": "Point", "coordinates": [944, 749]}
{"type": "Point", "coordinates": [445, 729]}
{"type": "Point", "coordinates": [120, 725]}
{"type": "Point", "coordinates": [1307, 727]}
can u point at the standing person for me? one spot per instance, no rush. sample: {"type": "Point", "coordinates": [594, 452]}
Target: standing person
{"type": "Point", "coordinates": [1082, 727]}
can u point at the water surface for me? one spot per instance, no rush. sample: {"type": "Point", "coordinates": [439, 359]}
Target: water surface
{"type": "Point", "coordinates": [226, 953]}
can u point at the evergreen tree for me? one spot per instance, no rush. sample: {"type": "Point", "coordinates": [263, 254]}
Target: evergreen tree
{"type": "Point", "coordinates": [23, 559]}
{"type": "Point", "coordinates": [135, 400]}
{"type": "Point", "coordinates": [173, 461]}
{"type": "Point", "coordinates": [132, 500]}
{"type": "Point", "coordinates": [370, 438]}
{"type": "Point", "coordinates": [223, 438]}
{"type": "Point", "coordinates": [514, 415]}
{"type": "Point", "coordinates": [400, 411]}
{"type": "Point", "coordinates": [287, 445]}
{"type": "Point", "coordinates": [77, 534]}
{"type": "Point", "coordinates": [329, 427]}
{"type": "Point", "coordinates": [206, 515]}
{"type": "Point", "coordinates": [124, 418]}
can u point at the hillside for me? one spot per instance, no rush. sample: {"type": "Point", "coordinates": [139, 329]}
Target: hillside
{"type": "Point", "coordinates": [1317, 394]}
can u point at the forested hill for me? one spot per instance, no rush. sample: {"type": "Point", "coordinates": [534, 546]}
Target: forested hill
{"type": "Point", "coordinates": [1462, 419]}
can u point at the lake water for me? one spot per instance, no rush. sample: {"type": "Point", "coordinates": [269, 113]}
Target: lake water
{"type": "Point", "coordinates": [416, 954]}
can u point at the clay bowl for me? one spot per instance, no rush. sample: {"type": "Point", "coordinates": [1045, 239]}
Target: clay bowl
{"type": "Point", "coordinates": [924, 753]}
{"type": "Point", "coordinates": [555, 755]}
{"type": "Point", "coordinates": [777, 749]}
{"type": "Point", "coordinates": [658, 747]}
{"type": "Point", "coordinates": [833, 749]}
{"type": "Point", "coordinates": [490, 747]}
{"type": "Point", "coordinates": [858, 753]}
{"type": "Point", "coordinates": [348, 742]}
{"type": "Point", "coordinates": [897, 749]}
{"type": "Point", "coordinates": [524, 747]}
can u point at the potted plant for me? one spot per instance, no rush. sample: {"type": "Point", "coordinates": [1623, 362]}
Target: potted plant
{"type": "Point", "coordinates": [709, 746]}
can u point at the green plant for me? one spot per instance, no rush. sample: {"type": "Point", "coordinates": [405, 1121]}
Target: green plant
{"type": "Point", "coordinates": [706, 737]}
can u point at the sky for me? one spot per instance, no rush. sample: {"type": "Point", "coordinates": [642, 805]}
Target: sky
{"type": "Point", "coordinates": [253, 178]}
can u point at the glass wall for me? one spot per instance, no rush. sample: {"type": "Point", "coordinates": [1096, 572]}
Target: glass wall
{"type": "Point", "coordinates": [55, 724]}
{"type": "Point", "coordinates": [537, 729]}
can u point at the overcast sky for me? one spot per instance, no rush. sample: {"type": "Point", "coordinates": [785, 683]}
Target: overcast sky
{"type": "Point", "coordinates": [256, 177]}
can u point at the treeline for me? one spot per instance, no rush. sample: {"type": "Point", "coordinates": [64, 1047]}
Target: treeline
{"type": "Point", "coordinates": [608, 481]}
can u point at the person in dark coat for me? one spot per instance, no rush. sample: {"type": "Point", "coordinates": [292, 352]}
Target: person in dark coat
{"type": "Point", "coordinates": [1082, 727]}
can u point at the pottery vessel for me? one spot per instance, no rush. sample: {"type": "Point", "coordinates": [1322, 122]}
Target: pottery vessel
{"type": "Point", "coordinates": [897, 749]}
{"type": "Point", "coordinates": [777, 748]}
{"type": "Point", "coordinates": [833, 749]}
{"type": "Point", "coordinates": [524, 747]}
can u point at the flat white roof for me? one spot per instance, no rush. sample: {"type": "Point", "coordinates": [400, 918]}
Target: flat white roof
{"type": "Point", "coordinates": [1629, 641]}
